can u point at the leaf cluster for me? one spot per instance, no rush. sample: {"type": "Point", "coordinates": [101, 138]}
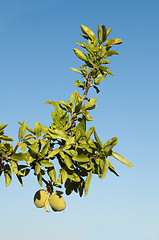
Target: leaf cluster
{"type": "Point", "coordinates": [78, 151]}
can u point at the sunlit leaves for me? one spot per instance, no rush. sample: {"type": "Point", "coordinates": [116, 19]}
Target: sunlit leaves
{"type": "Point", "coordinates": [87, 183]}
{"type": "Point", "coordinates": [75, 70]}
{"type": "Point", "coordinates": [2, 126]}
{"type": "Point", "coordinates": [81, 158]}
{"type": "Point", "coordinates": [67, 142]}
{"type": "Point", "coordinates": [80, 54]}
{"type": "Point", "coordinates": [37, 129]}
{"type": "Point", "coordinates": [122, 159]}
{"type": "Point", "coordinates": [88, 32]}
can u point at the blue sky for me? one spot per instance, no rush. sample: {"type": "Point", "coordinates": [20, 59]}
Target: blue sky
{"type": "Point", "coordinates": [36, 42]}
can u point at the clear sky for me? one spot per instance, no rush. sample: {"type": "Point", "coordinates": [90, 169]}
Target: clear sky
{"type": "Point", "coordinates": [36, 42]}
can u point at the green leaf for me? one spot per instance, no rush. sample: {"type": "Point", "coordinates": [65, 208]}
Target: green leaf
{"type": "Point", "coordinates": [89, 104]}
{"type": "Point", "coordinates": [98, 80]}
{"type": "Point", "coordinates": [68, 162]}
{"type": "Point", "coordinates": [78, 107]}
{"type": "Point", "coordinates": [80, 54]}
{"type": "Point", "coordinates": [111, 53]}
{"type": "Point", "coordinates": [22, 146]}
{"type": "Point", "coordinates": [87, 182]}
{"type": "Point", "coordinates": [81, 158]}
{"type": "Point", "coordinates": [28, 128]}
{"type": "Point", "coordinates": [112, 141]}
{"type": "Point", "coordinates": [73, 176]}
{"type": "Point", "coordinates": [52, 173]}
{"type": "Point", "coordinates": [81, 188]}
{"type": "Point", "coordinates": [45, 129]}
{"type": "Point", "coordinates": [87, 116]}
{"type": "Point", "coordinates": [39, 177]}
{"type": "Point", "coordinates": [88, 32]}
{"type": "Point", "coordinates": [100, 34]}
{"type": "Point", "coordinates": [58, 110]}
{"type": "Point", "coordinates": [20, 179]}
{"type": "Point", "coordinates": [28, 136]}
{"type": "Point", "coordinates": [1, 132]}
{"type": "Point", "coordinates": [110, 73]}
{"type": "Point", "coordinates": [53, 153]}
{"type": "Point", "coordinates": [37, 169]}
{"type": "Point", "coordinates": [14, 167]}
{"type": "Point", "coordinates": [19, 156]}
{"type": "Point", "coordinates": [81, 126]}
{"type": "Point", "coordinates": [7, 174]}
{"type": "Point", "coordinates": [33, 150]}
{"type": "Point", "coordinates": [5, 138]}
{"type": "Point", "coordinates": [85, 71]}
{"type": "Point", "coordinates": [24, 172]}
{"type": "Point", "coordinates": [69, 142]}
{"type": "Point", "coordinates": [113, 42]}
{"type": "Point", "coordinates": [103, 52]}
{"type": "Point", "coordinates": [78, 83]}
{"type": "Point", "coordinates": [89, 132]}
{"type": "Point", "coordinates": [22, 130]}
{"type": "Point", "coordinates": [122, 159]}
{"type": "Point", "coordinates": [45, 149]}
{"type": "Point", "coordinates": [103, 69]}
{"type": "Point", "coordinates": [72, 98]}
{"type": "Point", "coordinates": [75, 70]}
{"type": "Point", "coordinates": [104, 61]}
{"type": "Point", "coordinates": [46, 163]}
{"type": "Point", "coordinates": [63, 176]}
{"type": "Point", "coordinates": [104, 36]}
{"type": "Point", "coordinates": [29, 158]}
{"type": "Point", "coordinates": [37, 129]}
{"type": "Point", "coordinates": [58, 134]}
{"type": "Point", "coordinates": [112, 169]}
{"type": "Point", "coordinates": [105, 168]}
{"type": "Point", "coordinates": [108, 31]}
{"type": "Point", "coordinates": [50, 102]}
{"type": "Point", "coordinates": [100, 144]}
{"type": "Point", "coordinates": [2, 126]}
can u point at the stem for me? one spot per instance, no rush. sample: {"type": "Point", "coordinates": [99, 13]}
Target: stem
{"type": "Point", "coordinates": [15, 149]}
{"type": "Point", "coordinates": [88, 85]}
{"type": "Point", "coordinates": [48, 186]}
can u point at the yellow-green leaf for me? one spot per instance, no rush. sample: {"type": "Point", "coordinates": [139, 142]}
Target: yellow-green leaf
{"type": "Point", "coordinates": [75, 70]}
{"type": "Point", "coordinates": [122, 159]}
{"type": "Point", "coordinates": [37, 129]}
{"type": "Point", "coordinates": [80, 54]}
{"type": "Point", "coordinates": [87, 182]}
{"type": "Point", "coordinates": [22, 130]}
{"type": "Point", "coordinates": [2, 126]}
{"type": "Point", "coordinates": [88, 32]}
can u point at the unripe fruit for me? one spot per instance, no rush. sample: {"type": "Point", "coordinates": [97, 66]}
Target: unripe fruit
{"type": "Point", "coordinates": [57, 203]}
{"type": "Point", "coordinates": [40, 198]}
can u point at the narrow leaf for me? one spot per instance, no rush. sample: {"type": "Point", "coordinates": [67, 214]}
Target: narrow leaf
{"type": "Point", "coordinates": [87, 183]}
{"type": "Point", "coordinates": [105, 168]}
{"type": "Point", "coordinates": [122, 159]}
{"type": "Point", "coordinates": [75, 70]}
{"type": "Point", "coordinates": [22, 130]}
{"type": "Point", "coordinates": [5, 138]}
{"type": "Point", "coordinates": [2, 126]}
{"type": "Point", "coordinates": [37, 129]}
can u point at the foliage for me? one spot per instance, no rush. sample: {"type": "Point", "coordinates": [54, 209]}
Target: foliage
{"type": "Point", "coordinates": [78, 151]}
